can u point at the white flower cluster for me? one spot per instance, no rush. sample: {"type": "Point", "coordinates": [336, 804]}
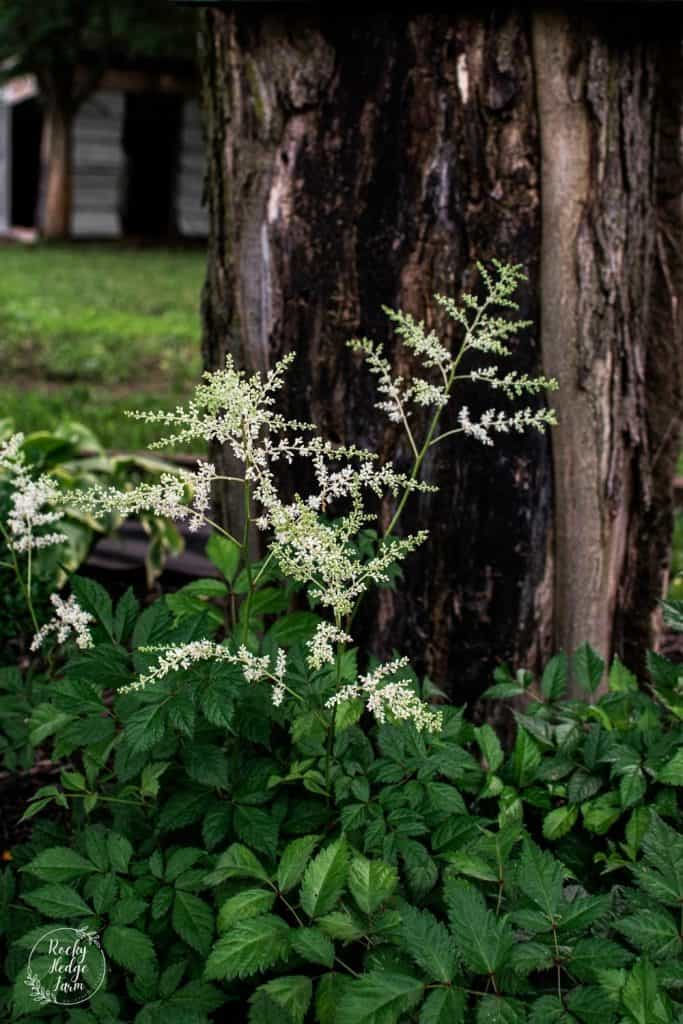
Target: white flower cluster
{"type": "Point", "coordinates": [320, 554]}
{"type": "Point", "coordinates": [320, 649]}
{"type": "Point", "coordinates": [513, 384]}
{"type": "Point", "coordinates": [397, 394]}
{"type": "Point", "coordinates": [396, 699]}
{"type": "Point", "coordinates": [178, 496]}
{"type": "Point", "coordinates": [255, 668]}
{"type": "Point", "coordinates": [69, 618]}
{"type": "Point", "coordinates": [496, 422]}
{"type": "Point", "coordinates": [30, 501]}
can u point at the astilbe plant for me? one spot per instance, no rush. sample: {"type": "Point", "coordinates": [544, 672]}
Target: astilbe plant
{"type": "Point", "coordinates": [320, 553]}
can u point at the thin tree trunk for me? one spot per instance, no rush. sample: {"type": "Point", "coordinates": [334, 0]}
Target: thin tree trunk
{"type": "Point", "coordinates": [599, 92]}
{"type": "Point", "coordinates": [369, 160]}
{"type": "Point", "coordinates": [57, 161]}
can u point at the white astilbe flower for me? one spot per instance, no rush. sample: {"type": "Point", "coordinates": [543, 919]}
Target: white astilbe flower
{"type": "Point", "coordinates": [178, 496]}
{"type": "Point", "coordinates": [201, 498]}
{"type": "Point", "coordinates": [496, 422]}
{"type": "Point", "coordinates": [395, 699]}
{"type": "Point", "coordinates": [255, 668]}
{"type": "Point", "coordinates": [431, 352]}
{"type": "Point", "coordinates": [320, 554]}
{"type": "Point", "coordinates": [321, 651]}
{"type": "Point", "coordinates": [30, 502]}
{"type": "Point", "coordinates": [513, 384]}
{"type": "Point", "coordinates": [230, 407]}
{"type": "Point", "coordinates": [69, 618]}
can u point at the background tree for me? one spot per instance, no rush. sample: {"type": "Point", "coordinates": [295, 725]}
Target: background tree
{"type": "Point", "coordinates": [68, 45]}
{"type": "Point", "coordinates": [368, 159]}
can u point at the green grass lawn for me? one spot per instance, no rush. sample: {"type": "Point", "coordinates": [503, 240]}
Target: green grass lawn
{"type": "Point", "coordinates": [87, 331]}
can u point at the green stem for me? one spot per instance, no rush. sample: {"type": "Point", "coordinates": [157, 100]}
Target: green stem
{"type": "Point", "coordinates": [20, 579]}
{"type": "Point", "coordinates": [247, 560]}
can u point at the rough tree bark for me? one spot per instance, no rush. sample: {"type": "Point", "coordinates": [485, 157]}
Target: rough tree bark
{"type": "Point", "coordinates": [610, 277]}
{"type": "Point", "coordinates": [356, 161]}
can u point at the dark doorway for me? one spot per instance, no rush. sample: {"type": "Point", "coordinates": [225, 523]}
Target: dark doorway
{"type": "Point", "coordinates": [27, 124]}
{"type": "Point", "coordinates": [151, 144]}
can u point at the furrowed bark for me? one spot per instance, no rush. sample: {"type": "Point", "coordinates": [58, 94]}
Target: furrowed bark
{"type": "Point", "coordinates": [606, 331]}
{"type": "Point", "coordinates": [356, 162]}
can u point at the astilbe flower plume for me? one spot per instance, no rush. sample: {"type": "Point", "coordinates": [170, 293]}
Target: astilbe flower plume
{"type": "Point", "coordinates": [69, 618]}
{"type": "Point", "coordinates": [32, 501]}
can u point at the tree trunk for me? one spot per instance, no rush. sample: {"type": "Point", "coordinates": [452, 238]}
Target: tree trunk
{"type": "Point", "coordinates": [57, 160]}
{"type": "Point", "coordinates": [607, 321]}
{"type": "Point", "coordinates": [355, 162]}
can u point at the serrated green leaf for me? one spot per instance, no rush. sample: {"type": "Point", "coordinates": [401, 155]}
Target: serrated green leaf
{"type": "Point", "coordinates": [379, 997]}
{"type": "Point", "coordinates": [295, 857]}
{"type": "Point", "coordinates": [328, 994]}
{"type": "Point", "coordinates": [341, 925]}
{"type": "Point", "coordinates": [560, 821]}
{"type": "Point", "coordinates": [129, 948]}
{"type": "Point", "coordinates": [57, 901]}
{"type": "Point", "coordinates": [313, 945]}
{"type": "Point", "coordinates": [126, 613]}
{"type": "Point", "coordinates": [59, 864]}
{"type": "Point", "coordinates": [540, 877]}
{"type": "Point", "coordinates": [672, 772]}
{"type": "Point", "coordinates": [554, 679]}
{"type": "Point", "coordinates": [600, 814]}
{"type": "Point", "coordinates": [293, 628]}
{"type": "Point", "coordinates": [640, 995]}
{"type": "Point", "coordinates": [489, 744]}
{"type": "Point", "coordinates": [526, 757]}
{"type": "Point", "coordinates": [257, 828]}
{"type": "Point", "coordinates": [146, 727]}
{"type": "Point", "coordinates": [249, 947]}
{"type": "Point", "coordinates": [662, 873]}
{"type": "Point", "coordinates": [497, 1010]}
{"type": "Point", "coordinates": [224, 554]}
{"type": "Point", "coordinates": [120, 851]}
{"type": "Point", "coordinates": [193, 921]}
{"type": "Point", "coordinates": [244, 904]}
{"type": "Point", "coordinates": [654, 933]}
{"type": "Point", "coordinates": [620, 679]}
{"type": "Point", "coordinates": [291, 994]}
{"type": "Point", "coordinates": [127, 910]}
{"type": "Point", "coordinates": [588, 668]}
{"type": "Point", "coordinates": [325, 879]}
{"type": "Point", "coordinates": [371, 883]}
{"type": "Point", "coordinates": [428, 943]}
{"type": "Point", "coordinates": [589, 956]}
{"type": "Point", "coordinates": [93, 598]}
{"type": "Point", "coordinates": [484, 941]}
{"type": "Point", "coordinates": [444, 1006]}
{"type": "Point", "coordinates": [237, 862]}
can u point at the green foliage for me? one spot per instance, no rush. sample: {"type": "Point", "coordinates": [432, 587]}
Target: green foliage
{"type": "Point", "coordinates": [246, 856]}
{"type": "Point", "coordinates": [419, 889]}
